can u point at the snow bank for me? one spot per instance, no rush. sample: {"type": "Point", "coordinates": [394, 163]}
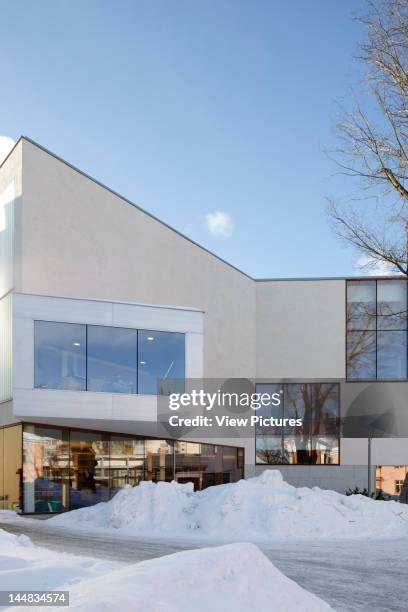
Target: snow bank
{"type": "Point", "coordinates": [25, 567]}
{"type": "Point", "coordinates": [261, 508]}
{"type": "Point", "coordinates": [235, 577]}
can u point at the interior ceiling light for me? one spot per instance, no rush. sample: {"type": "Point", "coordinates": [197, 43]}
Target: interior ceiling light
{"type": "Point", "coordinates": [150, 338]}
{"type": "Point", "coordinates": [76, 343]}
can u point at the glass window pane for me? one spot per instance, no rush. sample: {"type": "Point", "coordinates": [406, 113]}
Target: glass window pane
{"type": "Point", "coordinates": [45, 469]}
{"type": "Point", "coordinates": [60, 356]}
{"type": "Point", "coordinates": [161, 357]}
{"type": "Point", "coordinates": [198, 463]}
{"type": "Point", "coordinates": [317, 404]}
{"type": "Point", "coordinates": [361, 307]}
{"type": "Point", "coordinates": [269, 409]}
{"type": "Point", "coordinates": [269, 450]}
{"type": "Point", "coordinates": [127, 462]}
{"type": "Point", "coordinates": [89, 468]}
{"type": "Point", "coordinates": [12, 465]}
{"type": "Point", "coordinates": [391, 354]}
{"type": "Point", "coordinates": [392, 304]}
{"type": "Point", "coordinates": [361, 355]}
{"type": "Point", "coordinates": [316, 450]}
{"type": "Point", "coordinates": [112, 358]}
{"type": "Point", "coordinates": [159, 460]}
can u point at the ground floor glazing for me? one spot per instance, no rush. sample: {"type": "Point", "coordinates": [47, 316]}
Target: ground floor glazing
{"type": "Point", "coordinates": [50, 469]}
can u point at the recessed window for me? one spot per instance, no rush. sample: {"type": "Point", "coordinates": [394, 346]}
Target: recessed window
{"type": "Point", "coordinates": [60, 356]}
{"type": "Point", "coordinates": [377, 330]}
{"type": "Point", "coordinates": [112, 359]}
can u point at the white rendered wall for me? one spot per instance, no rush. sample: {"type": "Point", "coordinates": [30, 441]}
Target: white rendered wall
{"type": "Point", "coordinates": [83, 241]}
{"type": "Point", "coordinates": [300, 329]}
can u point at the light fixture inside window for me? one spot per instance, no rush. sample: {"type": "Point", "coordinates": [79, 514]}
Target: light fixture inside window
{"type": "Point", "coordinates": [150, 338]}
{"type": "Point", "coordinates": [76, 343]}
{"type": "Point", "coordinates": [142, 363]}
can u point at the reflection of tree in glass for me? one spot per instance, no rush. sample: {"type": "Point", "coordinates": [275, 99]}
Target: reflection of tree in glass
{"type": "Point", "coordinates": [317, 405]}
{"type": "Point", "coordinates": [361, 319]}
{"type": "Point", "coordinates": [271, 456]}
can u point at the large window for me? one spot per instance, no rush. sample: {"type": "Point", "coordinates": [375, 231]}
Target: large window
{"type": "Point", "coordinates": [89, 468]}
{"type": "Point", "coordinates": [316, 441]}
{"type": "Point", "coordinates": [45, 469]}
{"type": "Point", "coordinates": [161, 360]}
{"type": "Point", "coordinates": [112, 359]}
{"type": "Point", "coordinates": [60, 350]}
{"type": "Point", "coordinates": [377, 330]}
{"type": "Point", "coordinates": [108, 359]}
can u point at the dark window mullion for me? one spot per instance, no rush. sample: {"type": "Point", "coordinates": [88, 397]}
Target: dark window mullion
{"type": "Point", "coordinates": [86, 357]}
{"type": "Point", "coordinates": [376, 330]}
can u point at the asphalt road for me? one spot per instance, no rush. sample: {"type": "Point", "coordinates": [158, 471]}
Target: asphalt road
{"type": "Point", "coordinates": [353, 576]}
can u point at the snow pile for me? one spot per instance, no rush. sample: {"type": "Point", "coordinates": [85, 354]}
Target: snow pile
{"type": "Point", "coordinates": [261, 508]}
{"type": "Point", "coordinates": [25, 567]}
{"type": "Point", "coordinates": [235, 577]}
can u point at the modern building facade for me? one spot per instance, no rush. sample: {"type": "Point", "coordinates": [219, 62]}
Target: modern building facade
{"type": "Point", "coordinates": [99, 300]}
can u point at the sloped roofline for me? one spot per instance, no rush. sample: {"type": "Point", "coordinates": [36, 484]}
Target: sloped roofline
{"type": "Point", "coordinates": [200, 246]}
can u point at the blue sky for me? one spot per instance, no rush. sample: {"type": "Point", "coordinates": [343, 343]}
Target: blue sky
{"type": "Point", "coordinates": [192, 109]}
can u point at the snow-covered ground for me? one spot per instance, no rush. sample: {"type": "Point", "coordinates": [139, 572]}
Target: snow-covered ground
{"type": "Point", "coordinates": [233, 577]}
{"type": "Point", "coordinates": [261, 508]}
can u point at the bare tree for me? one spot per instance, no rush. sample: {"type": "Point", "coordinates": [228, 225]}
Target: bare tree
{"type": "Point", "coordinates": [374, 142]}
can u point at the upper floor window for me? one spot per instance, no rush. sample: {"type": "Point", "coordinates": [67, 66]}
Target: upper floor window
{"type": "Point", "coordinates": [60, 356]}
{"type": "Point", "coordinates": [377, 329]}
{"type": "Point", "coordinates": [108, 359]}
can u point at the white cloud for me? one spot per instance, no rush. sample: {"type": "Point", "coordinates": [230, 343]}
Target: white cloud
{"type": "Point", "coordinates": [370, 266]}
{"type": "Point", "coordinates": [219, 223]}
{"type": "Point", "coordinates": [6, 144]}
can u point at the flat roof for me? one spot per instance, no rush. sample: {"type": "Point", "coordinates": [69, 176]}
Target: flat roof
{"type": "Point", "coordinates": [200, 246]}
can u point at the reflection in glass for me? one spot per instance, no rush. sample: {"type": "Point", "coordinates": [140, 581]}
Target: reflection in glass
{"type": "Point", "coordinates": [270, 409]}
{"type": "Point", "coordinates": [197, 463]}
{"type": "Point", "coordinates": [361, 305]}
{"type": "Point", "coordinates": [361, 357]}
{"type": "Point", "coordinates": [269, 450]}
{"type": "Point", "coordinates": [159, 460]}
{"type": "Point", "coordinates": [392, 304]}
{"type": "Point", "coordinates": [45, 469]}
{"type": "Point", "coordinates": [127, 459]}
{"type": "Point", "coordinates": [60, 356]}
{"type": "Point", "coordinates": [316, 450]}
{"type": "Point", "coordinates": [112, 359]}
{"type": "Point", "coordinates": [317, 404]}
{"type": "Point", "coordinates": [89, 468]}
{"type": "Point", "coordinates": [161, 357]}
{"type": "Point", "coordinates": [391, 354]}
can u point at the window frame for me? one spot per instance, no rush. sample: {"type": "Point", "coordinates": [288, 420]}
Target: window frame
{"type": "Point", "coordinates": [86, 326]}
{"type": "Point", "coordinates": [375, 330]}
{"type": "Point", "coordinates": [282, 434]}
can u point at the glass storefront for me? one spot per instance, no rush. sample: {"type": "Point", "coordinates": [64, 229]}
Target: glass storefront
{"type": "Point", "coordinates": [48, 469]}
{"type": "Point", "coordinates": [89, 468]}
{"type": "Point", "coordinates": [45, 469]}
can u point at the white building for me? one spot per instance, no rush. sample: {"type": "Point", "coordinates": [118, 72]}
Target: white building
{"type": "Point", "coordinates": [98, 299]}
